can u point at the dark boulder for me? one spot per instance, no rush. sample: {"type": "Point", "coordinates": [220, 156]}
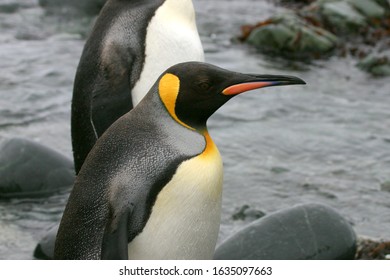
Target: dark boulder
{"type": "Point", "coordinates": [304, 232]}
{"type": "Point", "coordinates": [29, 169]}
{"type": "Point", "coordinates": [45, 248]}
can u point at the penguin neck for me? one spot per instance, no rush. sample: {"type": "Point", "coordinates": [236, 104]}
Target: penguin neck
{"type": "Point", "coordinates": [152, 105]}
{"type": "Point", "coordinates": [210, 148]}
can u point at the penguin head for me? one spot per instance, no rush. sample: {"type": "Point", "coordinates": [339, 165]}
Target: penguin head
{"type": "Point", "coordinates": [192, 91]}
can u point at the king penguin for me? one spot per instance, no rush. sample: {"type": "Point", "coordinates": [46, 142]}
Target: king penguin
{"type": "Point", "coordinates": [151, 187]}
{"type": "Point", "coordinates": [131, 44]}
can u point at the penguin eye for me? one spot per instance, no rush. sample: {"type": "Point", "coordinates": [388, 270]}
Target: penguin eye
{"type": "Point", "coordinates": [204, 85]}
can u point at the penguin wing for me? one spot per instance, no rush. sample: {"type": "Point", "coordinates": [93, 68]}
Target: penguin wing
{"type": "Point", "coordinates": [132, 200]}
{"type": "Point", "coordinates": [115, 242]}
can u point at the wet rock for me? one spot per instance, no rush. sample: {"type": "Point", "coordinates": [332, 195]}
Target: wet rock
{"type": "Point", "coordinates": [308, 31]}
{"type": "Point", "coordinates": [247, 213]}
{"type": "Point", "coordinates": [308, 231]}
{"type": "Point", "coordinates": [385, 187]}
{"type": "Point", "coordinates": [45, 248]}
{"type": "Point", "coordinates": [279, 170]}
{"type": "Point", "coordinates": [377, 65]}
{"type": "Point", "coordinates": [91, 7]}
{"type": "Point", "coordinates": [289, 35]}
{"type": "Point", "coordinates": [368, 8]}
{"type": "Point", "coordinates": [28, 169]}
{"type": "Point", "coordinates": [9, 8]}
{"type": "Point", "coordinates": [384, 3]}
{"type": "Point", "coordinates": [295, 3]}
{"type": "Point", "coordinates": [345, 16]}
{"type": "Point", "coordinates": [342, 16]}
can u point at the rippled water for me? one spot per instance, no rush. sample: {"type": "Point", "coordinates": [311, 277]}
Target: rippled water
{"type": "Point", "coordinates": [325, 142]}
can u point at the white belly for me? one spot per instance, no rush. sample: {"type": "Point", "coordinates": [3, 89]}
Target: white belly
{"type": "Point", "coordinates": [172, 37]}
{"type": "Point", "coordinates": [185, 219]}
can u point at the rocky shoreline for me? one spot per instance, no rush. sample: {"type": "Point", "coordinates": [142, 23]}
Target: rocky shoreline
{"type": "Point", "coordinates": [316, 29]}
{"type": "Point", "coordinates": [368, 249]}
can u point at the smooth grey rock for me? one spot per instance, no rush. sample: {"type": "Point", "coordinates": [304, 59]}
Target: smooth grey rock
{"type": "Point", "coordinates": [29, 169]}
{"type": "Point", "coordinates": [304, 232]}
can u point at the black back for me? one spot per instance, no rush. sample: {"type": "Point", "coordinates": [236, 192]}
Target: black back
{"type": "Point", "coordinates": [110, 65]}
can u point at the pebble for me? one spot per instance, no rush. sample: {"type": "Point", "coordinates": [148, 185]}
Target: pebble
{"type": "Point", "coordinates": [247, 213]}
{"type": "Point", "coordinates": [385, 187]}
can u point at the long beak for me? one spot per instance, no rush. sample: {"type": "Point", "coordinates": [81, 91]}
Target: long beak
{"type": "Point", "coordinates": [260, 81]}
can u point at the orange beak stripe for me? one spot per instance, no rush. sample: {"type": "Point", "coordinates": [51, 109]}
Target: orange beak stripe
{"type": "Point", "coordinates": [239, 88]}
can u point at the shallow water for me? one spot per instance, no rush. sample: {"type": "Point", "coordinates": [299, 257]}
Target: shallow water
{"type": "Point", "coordinates": [326, 142]}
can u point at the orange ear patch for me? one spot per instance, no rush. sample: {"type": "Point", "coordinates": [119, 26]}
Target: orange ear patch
{"type": "Point", "coordinates": [168, 89]}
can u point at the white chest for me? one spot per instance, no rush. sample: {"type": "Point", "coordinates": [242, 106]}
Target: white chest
{"type": "Point", "coordinates": [185, 219]}
{"type": "Point", "coordinates": [172, 37]}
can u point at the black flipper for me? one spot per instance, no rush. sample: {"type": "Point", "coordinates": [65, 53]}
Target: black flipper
{"type": "Point", "coordinates": [115, 239]}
